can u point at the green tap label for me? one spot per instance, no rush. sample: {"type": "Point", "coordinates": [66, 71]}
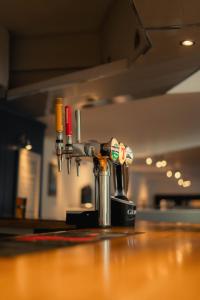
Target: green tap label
{"type": "Point", "coordinates": [114, 153]}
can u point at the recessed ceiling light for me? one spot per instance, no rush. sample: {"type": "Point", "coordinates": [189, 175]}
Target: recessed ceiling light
{"type": "Point", "coordinates": [159, 164]}
{"type": "Point", "coordinates": [177, 175]}
{"type": "Point", "coordinates": [187, 183]}
{"type": "Point", "coordinates": [164, 163]}
{"type": "Point", "coordinates": [169, 174]}
{"type": "Point", "coordinates": [180, 181]}
{"type": "Point", "coordinates": [187, 43]}
{"type": "Point", "coordinates": [149, 161]}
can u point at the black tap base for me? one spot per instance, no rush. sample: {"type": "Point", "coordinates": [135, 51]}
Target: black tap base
{"type": "Point", "coordinates": [83, 219]}
{"type": "Point", "coordinates": [122, 214]}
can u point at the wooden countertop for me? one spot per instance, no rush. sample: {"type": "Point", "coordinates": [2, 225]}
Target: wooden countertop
{"type": "Point", "coordinates": [163, 262]}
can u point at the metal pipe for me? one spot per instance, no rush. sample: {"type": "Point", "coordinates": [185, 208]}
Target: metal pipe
{"type": "Point", "coordinates": [78, 125]}
{"type": "Point", "coordinates": [96, 178]}
{"type": "Point", "coordinates": [104, 196]}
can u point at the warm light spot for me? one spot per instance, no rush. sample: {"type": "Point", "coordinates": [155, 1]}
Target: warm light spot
{"type": "Point", "coordinates": [180, 182]}
{"type": "Point", "coordinates": [159, 164]}
{"type": "Point", "coordinates": [187, 43]}
{"type": "Point", "coordinates": [149, 161]}
{"type": "Point", "coordinates": [28, 147]}
{"type": "Point", "coordinates": [164, 163]}
{"type": "Point", "coordinates": [88, 205]}
{"type": "Point", "coordinates": [169, 174]}
{"type": "Point", "coordinates": [187, 183]}
{"type": "Point", "coordinates": [177, 175]}
{"type": "Point", "coordinates": [179, 256]}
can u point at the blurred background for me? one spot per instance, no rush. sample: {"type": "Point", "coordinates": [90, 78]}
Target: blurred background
{"type": "Point", "coordinates": [132, 67]}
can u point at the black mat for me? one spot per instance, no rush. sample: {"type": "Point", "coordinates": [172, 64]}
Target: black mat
{"type": "Point", "coordinates": [37, 242]}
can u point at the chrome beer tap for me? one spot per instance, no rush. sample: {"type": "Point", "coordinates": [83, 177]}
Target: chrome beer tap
{"type": "Point", "coordinates": [78, 138]}
{"type": "Point", "coordinates": [107, 157]}
{"type": "Point", "coordinates": [59, 132]}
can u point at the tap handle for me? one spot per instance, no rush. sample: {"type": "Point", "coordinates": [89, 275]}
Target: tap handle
{"type": "Point", "coordinates": [78, 125]}
{"type": "Point", "coordinates": [68, 120]}
{"type": "Point", "coordinates": [68, 124]}
{"type": "Point", "coordinates": [129, 156]}
{"type": "Point", "coordinates": [59, 118]}
{"type": "Point", "coordinates": [59, 130]}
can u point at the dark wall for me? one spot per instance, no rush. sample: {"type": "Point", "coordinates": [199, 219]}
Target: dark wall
{"type": "Point", "coordinates": [12, 126]}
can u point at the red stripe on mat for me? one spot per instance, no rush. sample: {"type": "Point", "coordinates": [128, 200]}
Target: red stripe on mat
{"type": "Point", "coordinates": [55, 238]}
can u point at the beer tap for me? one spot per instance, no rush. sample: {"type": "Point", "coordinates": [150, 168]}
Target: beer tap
{"type": "Point", "coordinates": [59, 132]}
{"type": "Point", "coordinates": [111, 157]}
{"type": "Point", "coordinates": [69, 141]}
{"type": "Point", "coordinates": [78, 138]}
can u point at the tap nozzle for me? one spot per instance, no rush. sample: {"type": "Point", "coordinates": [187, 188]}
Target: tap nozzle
{"type": "Point", "coordinates": [59, 158]}
{"type": "Point", "coordinates": [68, 165]}
{"type": "Point", "coordinates": [59, 151]}
{"type": "Point", "coordinates": [78, 163]}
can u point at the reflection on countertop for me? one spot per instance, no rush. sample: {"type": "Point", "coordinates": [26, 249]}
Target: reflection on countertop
{"type": "Point", "coordinates": [163, 261]}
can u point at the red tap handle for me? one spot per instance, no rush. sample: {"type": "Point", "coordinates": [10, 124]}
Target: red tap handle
{"type": "Point", "coordinates": [68, 120]}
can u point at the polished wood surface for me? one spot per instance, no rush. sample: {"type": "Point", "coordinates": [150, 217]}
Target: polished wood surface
{"type": "Point", "coordinates": [162, 262]}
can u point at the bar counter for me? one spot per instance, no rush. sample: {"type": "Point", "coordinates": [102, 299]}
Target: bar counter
{"type": "Point", "coordinates": [157, 261]}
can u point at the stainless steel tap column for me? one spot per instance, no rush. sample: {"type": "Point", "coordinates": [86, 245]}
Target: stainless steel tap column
{"type": "Point", "coordinates": [104, 194]}
{"type": "Point", "coordinates": [96, 182]}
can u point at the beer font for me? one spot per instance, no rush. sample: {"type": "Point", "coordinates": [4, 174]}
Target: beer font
{"type": "Point", "coordinates": [110, 157]}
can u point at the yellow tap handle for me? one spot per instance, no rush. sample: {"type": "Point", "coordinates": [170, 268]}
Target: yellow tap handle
{"type": "Point", "coordinates": [59, 115]}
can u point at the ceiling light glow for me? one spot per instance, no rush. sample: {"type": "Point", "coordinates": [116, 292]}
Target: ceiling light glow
{"type": "Point", "coordinates": [149, 161]}
{"type": "Point", "coordinates": [28, 147]}
{"type": "Point", "coordinates": [180, 182]}
{"type": "Point", "coordinates": [177, 175]}
{"type": "Point", "coordinates": [164, 163]}
{"type": "Point", "coordinates": [169, 174]}
{"type": "Point", "coordinates": [187, 43]}
{"type": "Point", "coordinates": [187, 183]}
{"type": "Point", "coordinates": [159, 164]}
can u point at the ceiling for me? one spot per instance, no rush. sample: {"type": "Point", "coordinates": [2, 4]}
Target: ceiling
{"type": "Point", "coordinates": [162, 67]}
{"type": "Point", "coordinates": [37, 56]}
{"type": "Point", "coordinates": [162, 13]}
{"type": "Point", "coordinates": [36, 17]}
{"type": "Point", "coordinates": [157, 125]}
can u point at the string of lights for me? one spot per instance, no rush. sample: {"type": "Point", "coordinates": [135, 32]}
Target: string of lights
{"type": "Point", "coordinates": [170, 173]}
